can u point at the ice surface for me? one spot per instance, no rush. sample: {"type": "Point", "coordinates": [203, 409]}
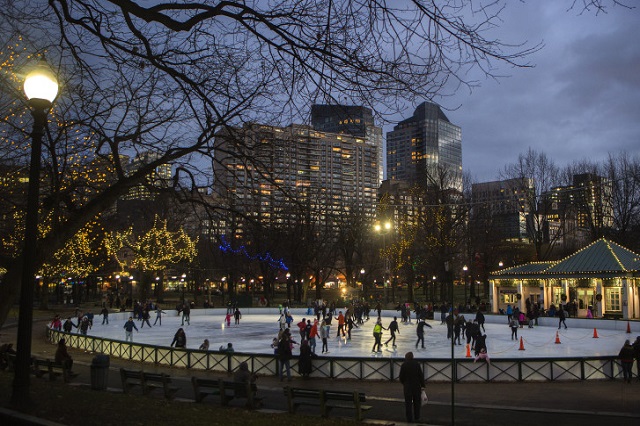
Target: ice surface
{"type": "Point", "coordinates": [255, 333]}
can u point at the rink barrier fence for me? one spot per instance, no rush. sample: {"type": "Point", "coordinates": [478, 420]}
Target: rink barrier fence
{"type": "Point", "coordinates": [358, 368]}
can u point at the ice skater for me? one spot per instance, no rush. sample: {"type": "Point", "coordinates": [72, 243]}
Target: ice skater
{"type": "Point", "coordinates": [393, 329]}
{"type": "Point", "coordinates": [420, 332]}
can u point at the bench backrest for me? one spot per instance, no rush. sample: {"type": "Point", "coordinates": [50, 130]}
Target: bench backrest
{"type": "Point", "coordinates": [205, 383]}
{"type": "Point", "coordinates": [130, 374]}
{"type": "Point", "coordinates": [302, 393]}
{"type": "Point", "coordinates": [344, 396]}
{"type": "Point", "coordinates": [156, 377]}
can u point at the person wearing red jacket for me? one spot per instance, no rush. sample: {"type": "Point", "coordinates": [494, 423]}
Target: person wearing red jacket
{"type": "Point", "coordinates": [313, 333]}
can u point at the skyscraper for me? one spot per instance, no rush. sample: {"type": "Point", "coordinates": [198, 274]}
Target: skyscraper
{"type": "Point", "coordinates": [422, 143]}
{"type": "Point", "coordinates": [351, 120]}
{"type": "Point", "coordinates": [261, 168]}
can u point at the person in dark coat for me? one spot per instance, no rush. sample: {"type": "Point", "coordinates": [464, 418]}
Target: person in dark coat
{"type": "Point", "coordinates": [626, 360]}
{"type": "Point", "coordinates": [481, 343]}
{"type": "Point", "coordinates": [284, 354]}
{"type": "Point", "coordinates": [62, 355]}
{"type": "Point", "coordinates": [304, 361]}
{"type": "Point", "coordinates": [180, 339]}
{"type": "Point", "coordinates": [480, 320]}
{"type": "Point", "coordinates": [636, 354]}
{"type": "Point", "coordinates": [412, 380]}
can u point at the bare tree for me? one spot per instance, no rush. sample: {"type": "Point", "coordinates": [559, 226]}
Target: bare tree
{"type": "Point", "coordinates": [623, 171]}
{"type": "Point", "coordinates": [166, 77]}
{"type": "Point", "coordinates": [536, 168]}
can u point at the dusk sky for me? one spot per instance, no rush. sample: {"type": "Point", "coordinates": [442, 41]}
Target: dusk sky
{"type": "Point", "coordinates": [582, 99]}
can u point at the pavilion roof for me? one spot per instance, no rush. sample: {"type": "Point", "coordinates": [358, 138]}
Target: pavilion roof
{"type": "Point", "coordinates": [602, 257]}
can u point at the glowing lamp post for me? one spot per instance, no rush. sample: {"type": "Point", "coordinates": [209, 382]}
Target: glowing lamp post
{"type": "Point", "coordinates": [40, 88]}
{"type": "Point", "coordinates": [384, 229]}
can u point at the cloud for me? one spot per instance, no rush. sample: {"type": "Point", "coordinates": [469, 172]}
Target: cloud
{"type": "Point", "coordinates": [581, 100]}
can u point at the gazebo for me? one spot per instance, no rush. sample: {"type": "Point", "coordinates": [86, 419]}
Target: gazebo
{"type": "Point", "coordinates": [603, 275]}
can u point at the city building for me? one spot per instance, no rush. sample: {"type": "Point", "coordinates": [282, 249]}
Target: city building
{"type": "Point", "coordinates": [261, 169]}
{"type": "Point", "coordinates": [160, 177]}
{"type": "Point", "coordinates": [350, 120]}
{"type": "Point", "coordinates": [502, 206]}
{"type": "Point", "coordinates": [578, 213]}
{"type": "Point", "coordinates": [423, 143]}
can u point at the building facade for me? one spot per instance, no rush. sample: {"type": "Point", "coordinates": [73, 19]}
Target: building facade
{"type": "Point", "coordinates": [422, 143]}
{"type": "Point", "coordinates": [504, 204]}
{"type": "Point", "coordinates": [332, 172]}
{"type": "Point", "coordinates": [578, 213]}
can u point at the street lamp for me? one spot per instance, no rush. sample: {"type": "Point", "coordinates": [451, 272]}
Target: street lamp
{"type": "Point", "coordinates": [40, 88]}
{"type": "Point", "coordinates": [464, 270]}
{"type": "Point", "coordinates": [362, 281]}
{"type": "Point", "coordinates": [384, 229]}
{"type": "Point", "coordinates": [131, 289]}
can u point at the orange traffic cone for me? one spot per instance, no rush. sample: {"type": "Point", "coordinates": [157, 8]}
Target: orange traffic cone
{"type": "Point", "coordinates": [521, 345]}
{"type": "Point", "coordinates": [628, 327]}
{"type": "Point", "coordinates": [595, 333]}
{"type": "Point", "coordinates": [468, 351]}
{"type": "Point", "coordinates": [558, 337]}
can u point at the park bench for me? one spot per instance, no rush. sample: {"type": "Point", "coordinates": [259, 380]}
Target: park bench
{"type": "Point", "coordinates": [147, 381]}
{"type": "Point", "coordinates": [226, 390]}
{"type": "Point", "coordinates": [40, 367]}
{"type": "Point", "coordinates": [326, 400]}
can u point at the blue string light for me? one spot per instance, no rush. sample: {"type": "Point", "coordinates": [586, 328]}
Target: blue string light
{"type": "Point", "coordinates": [225, 247]}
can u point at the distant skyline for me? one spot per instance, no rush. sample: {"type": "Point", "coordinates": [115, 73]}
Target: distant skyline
{"type": "Point", "coordinates": [581, 100]}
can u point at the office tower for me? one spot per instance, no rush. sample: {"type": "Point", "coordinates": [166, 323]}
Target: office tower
{"type": "Point", "coordinates": [160, 177]}
{"type": "Point", "coordinates": [349, 120]}
{"type": "Point", "coordinates": [423, 143]}
{"type": "Point", "coordinates": [502, 207]}
{"type": "Point", "coordinates": [261, 170]}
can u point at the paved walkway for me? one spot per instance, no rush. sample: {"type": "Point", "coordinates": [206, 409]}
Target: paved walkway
{"type": "Point", "coordinates": [583, 403]}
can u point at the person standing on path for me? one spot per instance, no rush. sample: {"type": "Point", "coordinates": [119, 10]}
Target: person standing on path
{"type": "Point", "coordinates": [393, 329]}
{"type": "Point", "coordinates": [412, 380]}
{"type": "Point", "coordinates": [626, 359]}
{"type": "Point", "coordinates": [284, 355]}
{"type": "Point", "coordinates": [129, 326]}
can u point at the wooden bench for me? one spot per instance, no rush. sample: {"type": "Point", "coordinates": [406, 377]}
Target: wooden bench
{"type": "Point", "coordinates": [326, 400]}
{"type": "Point", "coordinates": [226, 390]}
{"type": "Point", "coordinates": [40, 367]}
{"type": "Point", "coordinates": [147, 381]}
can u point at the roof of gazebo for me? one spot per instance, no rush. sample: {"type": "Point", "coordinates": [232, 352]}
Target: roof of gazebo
{"type": "Point", "coordinates": [602, 257]}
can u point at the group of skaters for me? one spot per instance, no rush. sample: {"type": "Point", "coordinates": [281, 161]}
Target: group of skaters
{"type": "Point", "coordinates": [84, 322]}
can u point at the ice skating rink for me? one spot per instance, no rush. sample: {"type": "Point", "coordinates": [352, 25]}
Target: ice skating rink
{"type": "Point", "coordinates": [258, 327]}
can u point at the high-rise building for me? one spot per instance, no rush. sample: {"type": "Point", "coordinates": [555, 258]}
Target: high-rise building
{"type": "Point", "coordinates": [259, 169]}
{"type": "Point", "coordinates": [356, 121]}
{"type": "Point", "coordinates": [421, 144]}
{"type": "Point", "coordinates": [579, 212]}
{"type": "Point", "coordinates": [160, 177]}
{"type": "Point", "coordinates": [503, 206]}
